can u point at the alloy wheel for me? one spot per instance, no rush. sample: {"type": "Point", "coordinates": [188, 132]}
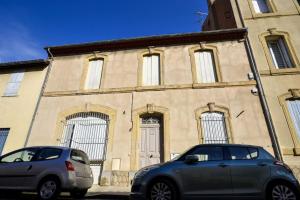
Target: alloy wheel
{"type": "Point", "coordinates": [283, 192]}
{"type": "Point", "coordinates": [161, 191]}
{"type": "Point", "coordinates": [48, 189]}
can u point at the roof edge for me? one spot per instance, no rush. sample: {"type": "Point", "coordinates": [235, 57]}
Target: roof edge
{"type": "Point", "coordinates": [25, 63]}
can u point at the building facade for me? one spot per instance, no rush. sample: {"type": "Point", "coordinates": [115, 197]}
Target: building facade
{"type": "Point", "coordinates": [135, 102]}
{"type": "Point", "coordinates": [274, 30]}
{"type": "Point", "coordinates": [20, 89]}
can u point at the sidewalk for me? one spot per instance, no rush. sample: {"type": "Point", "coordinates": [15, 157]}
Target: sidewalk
{"type": "Point", "coordinates": [108, 192]}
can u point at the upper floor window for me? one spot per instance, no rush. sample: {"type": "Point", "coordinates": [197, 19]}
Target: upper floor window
{"type": "Point", "coordinates": [151, 70]}
{"type": "Point", "coordinates": [261, 6]}
{"type": "Point", "coordinates": [205, 67]}
{"type": "Point", "coordinates": [214, 127]}
{"type": "Point", "coordinates": [94, 74]}
{"type": "Point", "coordinates": [13, 84]}
{"type": "Point", "coordinates": [279, 53]}
{"type": "Point", "coordinates": [294, 110]}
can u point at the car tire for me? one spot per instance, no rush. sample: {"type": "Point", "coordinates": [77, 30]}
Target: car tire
{"type": "Point", "coordinates": [78, 194]}
{"type": "Point", "coordinates": [162, 189]}
{"type": "Point", "coordinates": [281, 189]}
{"type": "Point", "coordinates": [49, 189]}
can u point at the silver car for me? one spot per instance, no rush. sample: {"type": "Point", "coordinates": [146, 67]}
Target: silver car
{"type": "Point", "coordinates": [217, 171]}
{"type": "Point", "coordinates": [47, 170]}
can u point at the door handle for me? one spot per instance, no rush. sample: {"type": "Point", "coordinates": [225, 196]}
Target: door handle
{"type": "Point", "coordinates": [29, 168]}
{"type": "Point", "coordinates": [223, 165]}
{"type": "Point", "coordinates": [262, 164]}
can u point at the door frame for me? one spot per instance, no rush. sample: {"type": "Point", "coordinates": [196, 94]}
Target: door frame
{"type": "Point", "coordinates": [136, 132]}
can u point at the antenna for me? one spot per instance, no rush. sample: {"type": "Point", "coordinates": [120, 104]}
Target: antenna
{"type": "Point", "coordinates": [202, 16]}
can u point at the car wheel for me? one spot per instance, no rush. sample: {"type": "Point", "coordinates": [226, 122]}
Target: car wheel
{"type": "Point", "coordinates": [48, 189]}
{"type": "Point", "coordinates": [282, 191]}
{"type": "Point", "coordinates": [78, 194]}
{"type": "Point", "coordinates": [162, 190]}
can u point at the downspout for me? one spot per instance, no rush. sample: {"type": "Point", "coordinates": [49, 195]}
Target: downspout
{"type": "Point", "coordinates": [261, 93]}
{"type": "Point", "coordinates": [40, 97]}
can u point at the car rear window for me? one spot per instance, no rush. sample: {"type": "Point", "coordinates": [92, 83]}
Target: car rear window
{"type": "Point", "coordinates": [243, 153]}
{"type": "Point", "coordinates": [80, 156]}
{"type": "Point", "coordinates": [49, 154]}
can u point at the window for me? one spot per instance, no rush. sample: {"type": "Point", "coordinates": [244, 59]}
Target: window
{"type": "Point", "coordinates": [151, 70]}
{"type": "Point", "coordinates": [241, 153]}
{"type": "Point", "coordinates": [25, 155]}
{"type": "Point", "coordinates": [279, 53]}
{"type": "Point", "coordinates": [205, 67]}
{"type": "Point", "coordinates": [49, 154]}
{"type": "Point", "coordinates": [79, 156]}
{"type": "Point", "coordinates": [294, 110]}
{"type": "Point", "coordinates": [3, 135]}
{"type": "Point", "coordinates": [298, 2]}
{"type": "Point", "coordinates": [94, 74]}
{"type": "Point", "coordinates": [261, 6]}
{"type": "Point", "coordinates": [213, 127]}
{"type": "Point", "coordinates": [13, 84]}
{"type": "Point", "coordinates": [208, 153]}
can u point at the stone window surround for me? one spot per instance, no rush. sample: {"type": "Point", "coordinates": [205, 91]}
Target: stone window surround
{"type": "Point", "coordinates": [292, 94]}
{"type": "Point", "coordinates": [287, 39]}
{"type": "Point", "coordinates": [212, 107]}
{"type": "Point", "coordinates": [147, 52]}
{"type": "Point", "coordinates": [95, 56]}
{"type": "Point", "coordinates": [271, 5]}
{"type": "Point", "coordinates": [205, 47]}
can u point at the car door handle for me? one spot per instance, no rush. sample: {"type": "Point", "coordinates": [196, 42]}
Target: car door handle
{"type": "Point", "coordinates": [29, 168]}
{"type": "Point", "coordinates": [262, 164]}
{"type": "Point", "coordinates": [223, 165]}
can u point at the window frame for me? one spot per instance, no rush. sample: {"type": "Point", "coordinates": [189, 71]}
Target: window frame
{"type": "Point", "coordinates": [272, 70]}
{"type": "Point", "coordinates": [19, 150]}
{"type": "Point", "coordinates": [40, 151]}
{"type": "Point", "coordinates": [141, 54]}
{"type": "Point", "coordinates": [188, 152]}
{"type": "Point", "coordinates": [271, 6]}
{"type": "Point", "coordinates": [215, 59]}
{"type": "Point", "coordinates": [247, 148]}
{"type": "Point", "coordinates": [5, 94]}
{"type": "Point", "coordinates": [84, 75]}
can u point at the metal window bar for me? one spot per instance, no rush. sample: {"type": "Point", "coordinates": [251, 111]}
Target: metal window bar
{"type": "Point", "coordinates": [87, 132]}
{"type": "Point", "coordinates": [214, 128]}
{"type": "Point", "coordinates": [3, 135]}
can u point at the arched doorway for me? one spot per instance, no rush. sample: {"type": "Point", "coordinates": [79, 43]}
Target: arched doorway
{"type": "Point", "coordinates": [152, 140]}
{"type": "Point", "coordinates": [88, 131]}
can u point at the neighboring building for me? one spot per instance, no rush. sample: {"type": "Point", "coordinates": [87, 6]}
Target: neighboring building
{"type": "Point", "coordinates": [20, 88]}
{"type": "Point", "coordinates": [137, 102]}
{"type": "Point", "coordinates": [274, 35]}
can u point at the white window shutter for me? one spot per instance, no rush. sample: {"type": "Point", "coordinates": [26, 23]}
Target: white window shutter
{"type": "Point", "coordinates": [279, 54]}
{"type": "Point", "coordinates": [260, 6]}
{"type": "Point", "coordinates": [151, 70]}
{"type": "Point", "coordinates": [285, 53]}
{"type": "Point", "coordinates": [94, 74]}
{"type": "Point", "coordinates": [206, 72]}
{"type": "Point", "coordinates": [294, 110]}
{"type": "Point", "coordinates": [14, 84]}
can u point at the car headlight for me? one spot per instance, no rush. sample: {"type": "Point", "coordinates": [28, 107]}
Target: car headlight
{"type": "Point", "coordinates": [144, 171]}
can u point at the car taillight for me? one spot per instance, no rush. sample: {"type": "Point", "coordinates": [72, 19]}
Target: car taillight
{"type": "Point", "coordinates": [69, 166]}
{"type": "Point", "coordinates": [282, 164]}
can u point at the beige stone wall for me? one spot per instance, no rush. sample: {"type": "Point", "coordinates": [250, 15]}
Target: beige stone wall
{"type": "Point", "coordinates": [17, 111]}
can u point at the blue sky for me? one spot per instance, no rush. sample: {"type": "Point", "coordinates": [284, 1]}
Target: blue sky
{"type": "Point", "coordinates": [26, 26]}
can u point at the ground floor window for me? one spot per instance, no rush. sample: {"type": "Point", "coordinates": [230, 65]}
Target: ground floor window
{"type": "Point", "coordinates": [3, 135]}
{"type": "Point", "coordinates": [294, 110]}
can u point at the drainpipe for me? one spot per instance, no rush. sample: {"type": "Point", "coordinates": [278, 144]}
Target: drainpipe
{"type": "Point", "coordinates": [40, 97]}
{"type": "Point", "coordinates": [261, 93]}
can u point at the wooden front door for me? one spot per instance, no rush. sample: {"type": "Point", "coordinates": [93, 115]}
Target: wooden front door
{"type": "Point", "coordinates": [150, 149]}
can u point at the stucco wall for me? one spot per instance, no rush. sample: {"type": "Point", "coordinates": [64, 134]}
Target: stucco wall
{"type": "Point", "coordinates": [17, 111]}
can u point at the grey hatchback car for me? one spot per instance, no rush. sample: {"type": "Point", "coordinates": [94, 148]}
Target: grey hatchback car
{"type": "Point", "coordinates": [217, 170]}
{"type": "Point", "coordinates": [47, 170]}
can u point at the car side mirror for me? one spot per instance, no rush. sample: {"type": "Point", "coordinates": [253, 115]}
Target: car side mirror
{"type": "Point", "coordinates": [191, 159]}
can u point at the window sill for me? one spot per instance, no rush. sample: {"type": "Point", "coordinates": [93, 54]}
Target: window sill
{"type": "Point", "coordinates": [275, 14]}
{"type": "Point", "coordinates": [10, 95]}
{"type": "Point", "coordinates": [223, 84]}
{"type": "Point", "coordinates": [276, 72]}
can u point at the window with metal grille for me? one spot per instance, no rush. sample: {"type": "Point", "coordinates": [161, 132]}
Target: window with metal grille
{"type": "Point", "coordinates": [213, 128]}
{"type": "Point", "coordinates": [151, 70]}
{"type": "Point", "coordinates": [294, 110]}
{"type": "Point", "coordinates": [261, 6]}
{"type": "Point", "coordinates": [94, 74]}
{"type": "Point", "coordinates": [87, 132]}
{"type": "Point", "coordinates": [279, 53]}
{"type": "Point", "coordinates": [14, 83]}
{"type": "Point", "coordinates": [205, 67]}
{"type": "Point", "coordinates": [3, 135]}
